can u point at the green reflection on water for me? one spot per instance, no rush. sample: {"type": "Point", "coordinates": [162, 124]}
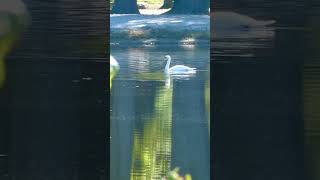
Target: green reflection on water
{"type": "Point", "coordinates": [7, 39]}
{"type": "Point", "coordinates": [207, 99]}
{"type": "Point", "coordinates": [6, 43]}
{"type": "Point", "coordinates": [151, 155]}
{"type": "Point", "coordinates": [151, 76]}
{"type": "Point", "coordinates": [113, 73]}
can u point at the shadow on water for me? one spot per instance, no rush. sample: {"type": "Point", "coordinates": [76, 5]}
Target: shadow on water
{"type": "Point", "coordinates": [159, 122]}
{"type": "Point", "coordinates": [13, 21]}
{"type": "Point", "coordinates": [53, 118]}
{"type": "Point", "coordinates": [311, 94]}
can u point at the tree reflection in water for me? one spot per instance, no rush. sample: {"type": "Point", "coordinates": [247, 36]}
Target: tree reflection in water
{"type": "Point", "coordinates": [8, 36]}
{"type": "Point", "coordinates": [151, 155]}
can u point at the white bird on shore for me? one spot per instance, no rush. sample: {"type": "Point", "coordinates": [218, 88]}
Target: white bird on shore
{"type": "Point", "coordinates": [177, 69]}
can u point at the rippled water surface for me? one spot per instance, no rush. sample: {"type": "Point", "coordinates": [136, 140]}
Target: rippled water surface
{"type": "Point", "coordinates": [158, 122]}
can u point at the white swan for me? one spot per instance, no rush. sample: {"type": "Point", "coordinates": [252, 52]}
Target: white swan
{"type": "Point", "coordinates": [177, 69]}
{"type": "Point", "coordinates": [114, 65]}
{"type": "Point", "coordinates": [114, 68]}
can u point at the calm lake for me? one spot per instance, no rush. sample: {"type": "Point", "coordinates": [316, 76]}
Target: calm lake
{"type": "Point", "coordinates": [158, 122]}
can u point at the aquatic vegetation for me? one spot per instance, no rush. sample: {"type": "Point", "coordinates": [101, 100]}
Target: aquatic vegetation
{"type": "Point", "coordinates": [174, 175]}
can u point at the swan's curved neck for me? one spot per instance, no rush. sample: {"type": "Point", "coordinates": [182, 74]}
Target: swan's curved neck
{"type": "Point", "coordinates": [166, 69]}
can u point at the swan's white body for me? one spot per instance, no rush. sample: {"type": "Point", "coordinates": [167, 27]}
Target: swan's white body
{"type": "Point", "coordinates": [177, 69]}
{"type": "Point", "coordinates": [114, 65]}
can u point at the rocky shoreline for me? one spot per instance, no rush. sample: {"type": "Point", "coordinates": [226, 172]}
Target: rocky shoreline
{"type": "Point", "coordinates": [160, 29]}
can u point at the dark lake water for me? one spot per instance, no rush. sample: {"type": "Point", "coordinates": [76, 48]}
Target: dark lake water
{"type": "Point", "coordinates": [158, 122]}
{"type": "Point", "coordinates": [53, 97]}
{"type": "Point", "coordinates": [266, 94]}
